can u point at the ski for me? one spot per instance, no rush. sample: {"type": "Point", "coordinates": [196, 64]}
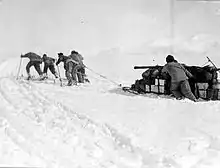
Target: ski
{"type": "Point", "coordinates": [50, 81]}
{"type": "Point", "coordinates": [38, 80]}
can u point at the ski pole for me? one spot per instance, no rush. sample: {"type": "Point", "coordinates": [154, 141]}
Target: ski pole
{"type": "Point", "coordinates": [58, 69]}
{"type": "Point", "coordinates": [205, 63]}
{"type": "Point", "coordinates": [211, 62]}
{"type": "Point", "coordinates": [19, 68]}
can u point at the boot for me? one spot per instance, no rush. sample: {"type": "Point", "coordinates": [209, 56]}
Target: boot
{"type": "Point", "coordinates": [70, 83]}
{"type": "Point", "coordinates": [56, 76]}
{"type": "Point", "coordinates": [74, 82]}
{"type": "Point", "coordinates": [87, 80]}
{"type": "Point", "coordinates": [80, 78]}
{"type": "Point", "coordinates": [45, 76]}
{"type": "Point", "coordinates": [42, 77]}
{"type": "Point", "coordinates": [29, 76]}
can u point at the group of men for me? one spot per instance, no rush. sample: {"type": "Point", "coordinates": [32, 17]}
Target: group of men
{"type": "Point", "coordinates": [73, 65]}
{"type": "Point", "coordinates": [75, 71]}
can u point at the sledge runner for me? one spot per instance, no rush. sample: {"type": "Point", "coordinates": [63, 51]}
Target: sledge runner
{"type": "Point", "coordinates": [35, 60]}
{"type": "Point", "coordinates": [179, 79]}
{"type": "Point", "coordinates": [49, 63]}
{"type": "Point", "coordinates": [80, 67]}
{"type": "Point", "coordinates": [69, 65]}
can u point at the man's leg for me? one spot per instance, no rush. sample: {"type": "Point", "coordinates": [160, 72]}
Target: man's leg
{"type": "Point", "coordinates": [80, 74]}
{"type": "Point", "coordinates": [53, 71]}
{"type": "Point", "coordinates": [45, 70]}
{"type": "Point", "coordinates": [84, 75]}
{"type": "Point", "coordinates": [28, 66]}
{"type": "Point", "coordinates": [28, 69]}
{"type": "Point", "coordinates": [38, 69]}
{"type": "Point", "coordinates": [74, 72]}
{"type": "Point", "coordinates": [186, 90]}
{"type": "Point", "coordinates": [69, 74]}
{"type": "Point", "coordinates": [175, 89]}
{"type": "Point", "coordinates": [167, 84]}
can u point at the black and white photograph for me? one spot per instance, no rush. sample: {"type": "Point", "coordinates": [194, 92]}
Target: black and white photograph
{"type": "Point", "coordinates": [109, 83]}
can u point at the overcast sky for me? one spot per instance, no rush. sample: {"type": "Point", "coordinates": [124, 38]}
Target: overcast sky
{"type": "Point", "coordinates": [89, 26]}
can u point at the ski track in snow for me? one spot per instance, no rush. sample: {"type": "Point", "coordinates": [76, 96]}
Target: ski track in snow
{"type": "Point", "coordinates": [67, 127]}
{"type": "Point", "coordinates": [49, 132]}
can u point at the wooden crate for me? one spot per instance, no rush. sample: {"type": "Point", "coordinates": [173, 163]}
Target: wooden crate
{"type": "Point", "coordinates": [157, 88]}
{"type": "Point", "coordinates": [212, 94]}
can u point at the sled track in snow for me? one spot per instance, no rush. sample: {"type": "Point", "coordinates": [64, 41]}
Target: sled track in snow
{"type": "Point", "coordinates": [67, 135]}
{"type": "Point", "coordinates": [30, 106]}
{"type": "Point", "coordinates": [37, 103]}
{"type": "Point", "coordinates": [51, 118]}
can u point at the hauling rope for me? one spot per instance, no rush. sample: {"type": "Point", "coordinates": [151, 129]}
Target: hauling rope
{"type": "Point", "coordinates": [104, 77]}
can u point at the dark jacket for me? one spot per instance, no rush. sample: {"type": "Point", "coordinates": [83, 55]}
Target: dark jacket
{"type": "Point", "coordinates": [48, 60]}
{"type": "Point", "coordinates": [66, 60]}
{"type": "Point", "coordinates": [78, 58]}
{"type": "Point", "coordinates": [33, 57]}
{"type": "Point", "coordinates": [176, 71]}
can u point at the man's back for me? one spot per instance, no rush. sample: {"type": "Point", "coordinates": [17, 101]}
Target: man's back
{"type": "Point", "coordinates": [77, 57]}
{"type": "Point", "coordinates": [33, 57]}
{"type": "Point", "coordinates": [176, 71]}
{"type": "Point", "coordinates": [49, 60]}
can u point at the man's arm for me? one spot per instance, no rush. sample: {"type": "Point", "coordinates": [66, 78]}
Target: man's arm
{"type": "Point", "coordinates": [164, 72]}
{"type": "Point", "coordinates": [188, 74]}
{"type": "Point", "coordinates": [52, 60]}
{"type": "Point", "coordinates": [81, 57]}
{"type": "Point", "coordinates": [164, 69]}
{"type": "Point", "coordinates": [58, 61]}
{"type": "Point", "coordinates": [24, 56]}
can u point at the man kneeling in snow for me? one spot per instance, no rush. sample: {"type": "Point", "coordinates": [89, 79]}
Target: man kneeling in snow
{"type": "Point", "coordinates": [179, 79]}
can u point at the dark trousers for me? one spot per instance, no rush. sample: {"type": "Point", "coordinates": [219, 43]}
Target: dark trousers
{"type": "Point", "coordinates": [74, 72]}
{"type": "Point", "coordinates": [80, 72]}
{"type": "Point", "coordinates": [182, 88]}
{"type": "Point", "coordinates": [51, 68]}
{"type": "Point", "coordinates": [36, 66]}
{"type": "Point", "coordinates": [70, 73]}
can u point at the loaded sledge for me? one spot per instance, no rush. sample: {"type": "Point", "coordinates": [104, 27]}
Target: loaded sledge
{"type": "Point", "coordinates": [205, 83]}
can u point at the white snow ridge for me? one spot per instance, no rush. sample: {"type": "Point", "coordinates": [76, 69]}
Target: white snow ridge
{"type": "Point", "coordinates": [99, 126]}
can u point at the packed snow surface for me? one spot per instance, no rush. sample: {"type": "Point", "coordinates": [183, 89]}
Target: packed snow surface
{"type": "Point", "coordinates": [99, 126]}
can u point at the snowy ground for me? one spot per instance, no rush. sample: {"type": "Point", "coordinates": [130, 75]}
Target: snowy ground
{"type": "Point", "coordinates": [99, 126]}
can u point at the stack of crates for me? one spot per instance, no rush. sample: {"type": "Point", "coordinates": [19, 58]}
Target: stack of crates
{"type": "Point", "coordinates": [209, 94]}
{"type": "Point", "coordinates": [158, 87]}
{"type": "Point", "coordinates": [214, 94]}
{"type": "Point", "coordinates": [202, 87]}
{"type": "Point", "coordinates": [204, 92]}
